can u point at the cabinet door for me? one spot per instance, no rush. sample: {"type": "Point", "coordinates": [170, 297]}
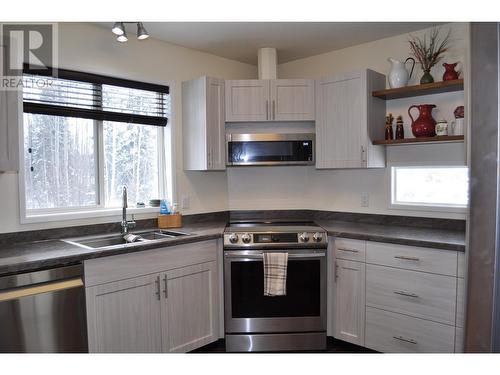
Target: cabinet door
{"type": "Point", "coordinates": [349, 303]}
{"type": "Point", "coordinates": [124, 316]}
{"type": "Point", "coordinates": [247, 100]}
{"type": "Point", "coordinates": [215, 131]}
{"type": "Point", "coordinates": [341, 127]}
{"type": "Point", "coordinates": [190, 318]}
{"type": "Point", "coordinates": [292, 100]}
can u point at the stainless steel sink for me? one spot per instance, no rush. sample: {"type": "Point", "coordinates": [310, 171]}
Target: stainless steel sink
{"type": "Point", "coordinates": [111, 241]}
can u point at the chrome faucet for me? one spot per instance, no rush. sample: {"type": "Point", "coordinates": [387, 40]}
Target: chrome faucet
{"type": "Point", "coordinates": [125, 223]}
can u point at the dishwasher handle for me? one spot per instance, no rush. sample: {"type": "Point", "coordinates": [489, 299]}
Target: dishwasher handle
{"type": "Point", "coordinates": [7, 295]}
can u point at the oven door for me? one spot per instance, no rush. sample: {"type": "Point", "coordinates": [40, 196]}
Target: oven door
{"type": "Point", "coordinates": [270, 149]}
{"type": "Point", "coordinates": [247, 310]}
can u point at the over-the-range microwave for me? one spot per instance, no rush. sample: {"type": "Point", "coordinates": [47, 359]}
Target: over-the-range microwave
{"type": "Point", "coordinates": [270, 149]}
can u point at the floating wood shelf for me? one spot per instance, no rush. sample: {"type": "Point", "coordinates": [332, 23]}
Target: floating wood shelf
{"type": "Point", "coordinates": [418, 90]}
{"type": "Point", "coordinates": [437, 139]}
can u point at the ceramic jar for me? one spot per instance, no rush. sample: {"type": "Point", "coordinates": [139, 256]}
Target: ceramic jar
{"type": "Point", "coordinates": [424, 125]}
{"type": "Point", "coordinates": [399, 76]}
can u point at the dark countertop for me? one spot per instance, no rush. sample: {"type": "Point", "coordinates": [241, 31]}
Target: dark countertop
{"type": "Point", "coordinates": [403, 235]}
{"type": "Point", "coordinates": [28, 256]}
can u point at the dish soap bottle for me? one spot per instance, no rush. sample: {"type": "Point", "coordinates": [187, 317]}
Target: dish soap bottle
{"type": "Point", "coordinates": [164, 210]}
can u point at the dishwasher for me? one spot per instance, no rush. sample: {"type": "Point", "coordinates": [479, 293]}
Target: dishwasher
{"type": "Point", "coordinates": [43, 311]}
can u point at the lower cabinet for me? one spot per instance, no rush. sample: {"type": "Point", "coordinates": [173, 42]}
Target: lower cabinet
{"type": "Point", "coordinates": [349, 306]}
{"type": "Point", "coordinates": [396, 298]}
{"type": "Point", "coordinates": [390, 332]}
{"type": "Point", "coordinates": [190, 307]}
{"type": "Point", "coordinates": [125, 316]}
{"type": "Point", "coordinates": [169, 310]}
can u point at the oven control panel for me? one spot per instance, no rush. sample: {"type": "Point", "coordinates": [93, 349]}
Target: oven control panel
{"type": "Point", "coordinates": [280, 239]}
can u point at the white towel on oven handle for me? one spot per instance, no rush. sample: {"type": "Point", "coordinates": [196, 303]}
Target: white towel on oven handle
{"type": "Point", "coordinates": [275, 267]}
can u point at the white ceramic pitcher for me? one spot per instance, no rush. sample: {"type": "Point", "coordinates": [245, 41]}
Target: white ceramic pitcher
{"type": "Point", "coordinates": [398, 76]}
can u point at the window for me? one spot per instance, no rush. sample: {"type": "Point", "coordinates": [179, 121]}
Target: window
{"type": "Point", "coordinates": [434, 188]}
{"type": "Point", "coordinates": [85, 136]}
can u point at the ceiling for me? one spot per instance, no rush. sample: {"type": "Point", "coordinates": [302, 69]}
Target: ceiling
{"type": "Point", "coordinates": [293, 40]}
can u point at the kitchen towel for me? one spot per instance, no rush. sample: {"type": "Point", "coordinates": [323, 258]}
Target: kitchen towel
{"type": "Point", "coordinates": [275, 265]}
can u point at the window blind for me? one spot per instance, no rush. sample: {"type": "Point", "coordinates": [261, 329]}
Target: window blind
{"type": "Point", "coordinates": [91, 96]}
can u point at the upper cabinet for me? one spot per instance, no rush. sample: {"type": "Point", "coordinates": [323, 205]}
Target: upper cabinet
{"type": "Point", "coordinates": [10, 121]}
{"type": "Point", "coordinates": [348, 118]}
{"type": "Point", "coordinates": [247, 100]}
{"type": "Point", "coordinates": [292, 100]}
{"type": "Point", "coordinates": [203, 124]}
{"type": "Point", "coordinates": [270, 100]}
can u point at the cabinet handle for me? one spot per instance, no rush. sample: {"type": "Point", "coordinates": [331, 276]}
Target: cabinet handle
{"type": "Point", "coordinates": [401, 338]}
{"type": "Point", "coordinates": [157, 282]}
{"type": "Point", "coordinates": [336, 274]}
{"type": "Point", "coordinates": [363, 154]}
{"type": "Point", "coordinates": [406, 294]}
{"type": "Point", "coordinates": [407, 258]}
{"type": "Point", "coordinates": [348, 250]}
{"type": "Point", "coordinates": [267, 109]}
{"type": "Point", "coordinates": [274, 110]}
{"type": "Point", "coordinates": [166, 286]}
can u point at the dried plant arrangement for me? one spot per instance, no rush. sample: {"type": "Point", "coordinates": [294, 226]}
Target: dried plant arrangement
{"type": "Point", "coordinates": [429, 51]}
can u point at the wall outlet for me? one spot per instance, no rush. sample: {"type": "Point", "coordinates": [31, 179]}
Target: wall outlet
{"type": "Point", "coordinates": [185, 202]}
{"type": "Point", "coordinates": [365, 200]}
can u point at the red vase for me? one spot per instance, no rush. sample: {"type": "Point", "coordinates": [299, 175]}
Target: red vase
{"type": "Point", "coordinates": [450, 73]}
{"type": "Point", "coordinates": [424, 125]}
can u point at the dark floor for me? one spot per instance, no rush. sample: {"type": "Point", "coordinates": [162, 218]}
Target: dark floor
{"type": "Point", "coordinates": [332, 346]}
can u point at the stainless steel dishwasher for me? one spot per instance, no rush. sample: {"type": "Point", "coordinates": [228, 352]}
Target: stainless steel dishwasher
{"type": "Point", "coordinates": [43, 311]}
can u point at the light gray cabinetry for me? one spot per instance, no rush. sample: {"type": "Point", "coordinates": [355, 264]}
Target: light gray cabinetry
{"type": "Point", "coordinates": [389, 332]}
{"type": "Point", "coordinates": [347, 294]}
{"type": "Point", "coordinates": [270, 100]}
{"type": "Point", "coordinates": [396, 298]}
{"type": "Point", "coordinates": [124, 316]}
{"type": "Point", "coordinates": [203, 124]}
{"type": "Point", "coordinates": [348, 118]}
{"type": "Point", "coordinates": [164, 300]}
{"type": "Point", "coordinates": [247, 100]}
{"type": "Point", "coordinates": [292, 100]}
{"type": "Point", "coordinates": [10, 120]}
{"type": "Point", "coordinates": [190, 307]}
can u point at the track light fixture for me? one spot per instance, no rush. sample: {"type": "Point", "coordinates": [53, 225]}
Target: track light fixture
{"type": "Point", "coordinates": [119, 30]}
{"type": "Point", "coordinates": [141, 32]}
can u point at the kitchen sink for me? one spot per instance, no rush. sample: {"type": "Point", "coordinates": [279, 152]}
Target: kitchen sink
{"type": "Point", "coordinates": [116, 240]}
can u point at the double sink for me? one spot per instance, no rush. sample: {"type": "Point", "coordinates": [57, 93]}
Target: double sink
{"type": "Point", "coordinates": [112, 241]}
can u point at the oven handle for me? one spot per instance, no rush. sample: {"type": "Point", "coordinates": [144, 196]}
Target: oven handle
{"type": "Point", "coordinates": [260, 255]}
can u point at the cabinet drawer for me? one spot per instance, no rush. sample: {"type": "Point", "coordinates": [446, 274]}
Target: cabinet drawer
{"type": "Point", "coordinates": [443, 262]}
{"type": "Point", "coordinates": [395, 333]}
{"type": "Point", "coordinates": [418, 294]}
{"type": "Point", "coordinates": [350, 249]}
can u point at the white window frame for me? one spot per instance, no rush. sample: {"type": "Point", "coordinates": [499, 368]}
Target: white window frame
{"type": "Point", "coordinates": [99, 210]}
{"type": "Point", "coordinates": [418, 206]}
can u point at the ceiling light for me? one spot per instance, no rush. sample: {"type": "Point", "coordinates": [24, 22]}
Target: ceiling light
{"type": "Point", "coordinates": [118, 28]}
{"type": "Point", "coordinates": [141, 31]}
{"type": "Point", "coordinates": [122, 38]}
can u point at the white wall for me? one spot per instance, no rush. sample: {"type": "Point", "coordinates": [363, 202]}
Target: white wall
{"type": "Point", "coordinates": [93, 49]}
{"type": "Point", "coordinates": [340, 190]}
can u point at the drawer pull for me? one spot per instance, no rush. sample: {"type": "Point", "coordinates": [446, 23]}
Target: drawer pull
{"type": "Point", "coordinates": [401, 338]}
{"type": "Point", "coordinates": [407, 258]}
{"type": "Point", "coordinates": [406, 294]}
{"type": "Point", "coordinates": [348, 250]}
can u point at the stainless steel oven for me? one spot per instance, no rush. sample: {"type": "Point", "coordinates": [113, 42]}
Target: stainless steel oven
{"type": "Point", "coordinates": [296, 321]}
{"type": "Point", "coordinates": [270, 149]}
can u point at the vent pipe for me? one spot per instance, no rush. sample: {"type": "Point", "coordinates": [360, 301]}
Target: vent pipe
{"type": "Point", "coordinates": [267, 63]}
